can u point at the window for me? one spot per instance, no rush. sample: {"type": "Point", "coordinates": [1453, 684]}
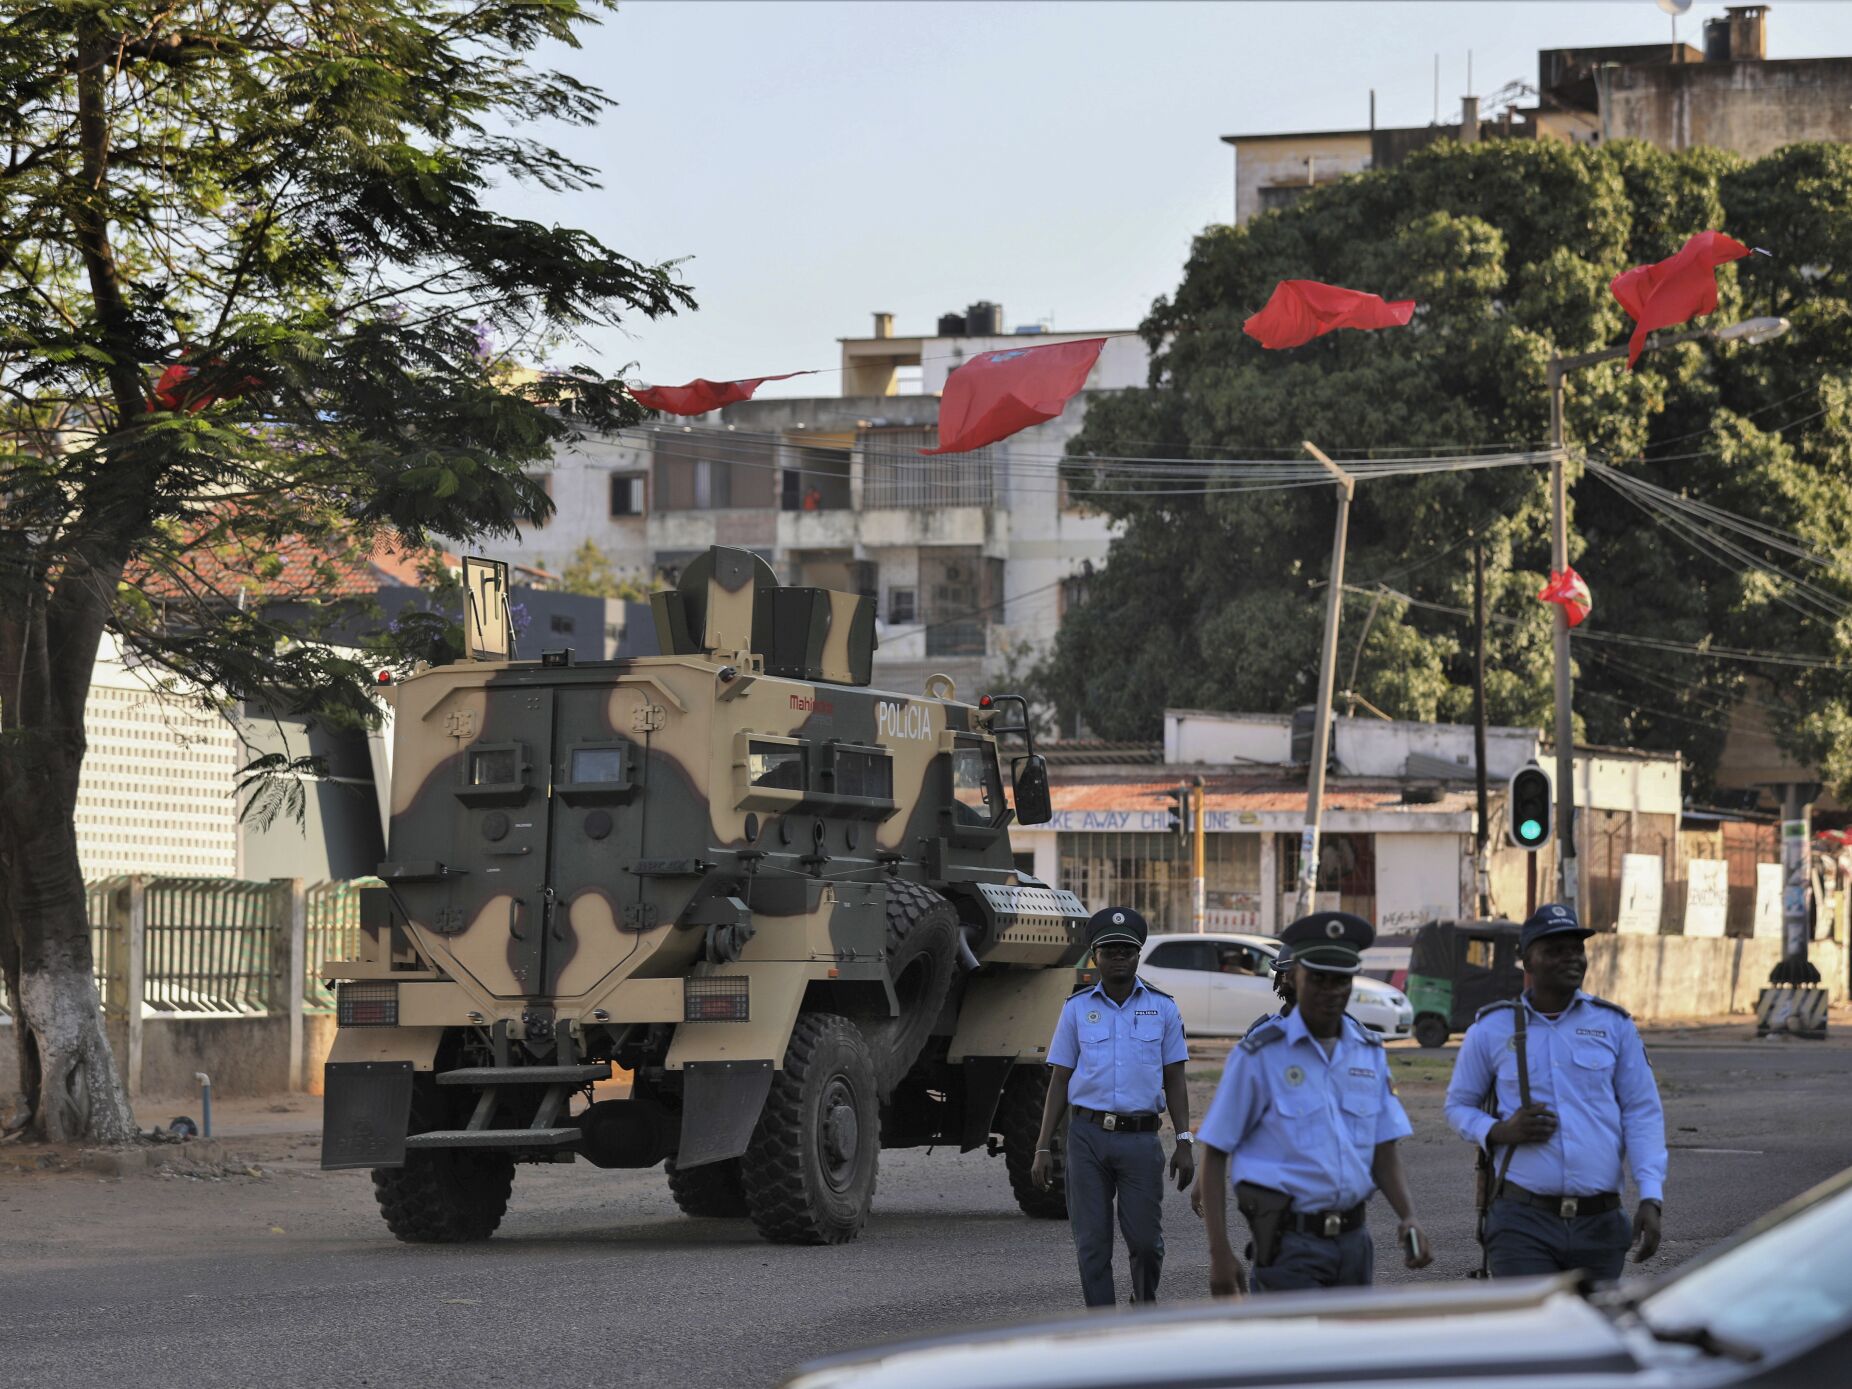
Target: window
{"type": "Point", "coordinates": [900, 605]}
{"type": "Point", "coordinates": [977, 788]}
{"type": "Point", "coordinates": [775, 765]}
{"type": "Point", "coordinates": [561, 624]}
{"type": "Point", "coordinates": [1184, 954]}
{"type": "Point", "coordinates": [1238, 959]}
{"type": "Point", "coordinates": [864, 773]}
{"type": "Point", "coordinates": [627, 494]}
{"type": "Point", "coordinates": [492, 768]}
{"type": "Point", "coordinates": [1151, 872]}
{"type": "Point", "coordinates": [1478, 954]}
{"type": "Point", "coordinates": [597, 764]}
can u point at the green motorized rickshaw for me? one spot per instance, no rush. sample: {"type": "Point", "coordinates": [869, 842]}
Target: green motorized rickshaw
{"type": "Point", "coordinates": [1455, 969]}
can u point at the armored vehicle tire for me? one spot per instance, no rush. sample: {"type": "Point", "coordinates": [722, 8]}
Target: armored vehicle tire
{"type": "Point", "coordinates": [922, 955]}
{"type": "Point", "coordinates": [1019, 1120]}
{"type": "Point", "coordinates": [445, 1197]}
{"type": "Point", "coordinates": [1431, 1030]}
{"type": "Point", "coordinates": [809, 1171]}
{"type": "Point", "coordinates": [712, 1189]}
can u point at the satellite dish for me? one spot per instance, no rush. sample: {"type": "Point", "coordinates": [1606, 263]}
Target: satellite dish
{"type": "Point", "coordinates": [1675, 8]}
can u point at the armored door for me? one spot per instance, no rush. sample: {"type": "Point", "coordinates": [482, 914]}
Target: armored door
{"type": "Point", "coordinates": [470, 867]}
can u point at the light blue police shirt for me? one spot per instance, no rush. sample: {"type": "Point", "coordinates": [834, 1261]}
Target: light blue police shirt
{"type": "Point", "coordinates": [1119, 1050]}
{"type": "Point", "coordinates": [1589, 1066]}
{"type": "Point", "coordinates": [1299, 1121]}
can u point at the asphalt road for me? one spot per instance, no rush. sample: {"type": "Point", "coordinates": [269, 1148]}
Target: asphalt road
{"type": "Point", "coordinates": [268, 1271]}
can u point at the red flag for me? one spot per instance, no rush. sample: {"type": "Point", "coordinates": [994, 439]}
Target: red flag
{"type": "Point", "coordinates": [995, 394]}
{"type": "Point", "coordinates": [1570, 591]}
{"type": "Point", "coordinates": [1301, 310]}
{"type": "Point", "coordinates": [172, 385]}
{"type": "Point", "coordinates": [1675, 290]}
{"type": "Point", "coordinates": [701, 395]}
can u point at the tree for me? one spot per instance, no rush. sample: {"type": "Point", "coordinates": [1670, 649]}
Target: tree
{"type": "Point", "coordinates": [247, 276]}
{"type": "Point", "coordinates": [591, 573]}
{"type": "Point", "coordinates": [1213, 600]}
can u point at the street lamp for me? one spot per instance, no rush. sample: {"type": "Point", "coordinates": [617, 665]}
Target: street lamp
{"type": "Point", "coordinates": [1750, 332]}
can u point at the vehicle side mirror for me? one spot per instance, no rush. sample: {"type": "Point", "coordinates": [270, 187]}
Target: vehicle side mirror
{"type": "Point", "coordinates": [1030, 782]}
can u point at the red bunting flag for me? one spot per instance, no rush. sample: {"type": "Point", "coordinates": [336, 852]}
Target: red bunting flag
{"type": "Point", "coordinates": [701, 395]}
{"type": "Point", "coordinates": [1301, 310]}
{"type": "Point", "coordinates": [995, 394]}
{"type": "Point", "coordinates": [171, 388]}
{"type": "Point", "coordinates": [1569, 590]}
{"type": "Point", "coordinates": [1675, 290]}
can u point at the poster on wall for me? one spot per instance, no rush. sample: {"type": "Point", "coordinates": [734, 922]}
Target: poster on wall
{"type": "Point", "coordinates": [1641, 889]}
{"type": "Point", "coordinates": [1768, 901]}
{"type": "Point", "coordinates": [1707, 897]}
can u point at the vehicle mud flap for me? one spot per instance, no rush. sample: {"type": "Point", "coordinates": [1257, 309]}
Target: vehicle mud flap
{"type": "Point", "coordinates": [365, 1110]}
{"type": "Point", "coordinates": [721, 1104]}
{"type": "Point", "coordinates": [985, 1077]}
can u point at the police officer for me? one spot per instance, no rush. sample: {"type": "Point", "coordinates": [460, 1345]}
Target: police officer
{"type": "Point", "coordinates": [1118, 1056]}
{"type": "Point", "coordinates": [1306, 1115]}
{"type": "Point", "coordinates": [1556, 1087]}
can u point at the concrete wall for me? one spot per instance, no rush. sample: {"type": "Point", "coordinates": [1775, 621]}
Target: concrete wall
{"type": "Point", "coordinates": [1377, 747]}
{"type": "Point", "coordinates": [1419, 878]}
{"type": "Point", "coordinates": [1664, 977]}
{"type": "Point", "coordinates": [244, 1056]}
{"type": "Point", "coordinates": [1271, 160]}
{"type": "Point", "coordinates": [1751, 108]}
{"type": "Point", "coordinates": [1194, 736]}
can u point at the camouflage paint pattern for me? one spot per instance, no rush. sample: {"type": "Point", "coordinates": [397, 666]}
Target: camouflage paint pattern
{"type": "Point", "coordinates": [569, 836]}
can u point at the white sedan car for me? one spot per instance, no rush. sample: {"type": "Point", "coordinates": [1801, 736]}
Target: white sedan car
{"type": "Point", "coordinates": [1223, 982]}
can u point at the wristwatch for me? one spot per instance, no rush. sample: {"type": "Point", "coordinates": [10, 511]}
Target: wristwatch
{"type": "Point", "coordinates": [1186, 1137]}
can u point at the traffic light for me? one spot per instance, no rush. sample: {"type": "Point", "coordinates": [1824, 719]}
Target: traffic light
{"type": "Point", "coordinates": [1178, 814]}
{"type": "Point", "coordinates": [1531, 807]}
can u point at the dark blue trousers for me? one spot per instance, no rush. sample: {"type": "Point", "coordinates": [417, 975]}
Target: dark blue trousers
{"type": "Point", "coordinates": [1521, 1240]}
{"type": "Point", "coordinates": [1312, 1261]}
{"type": "Point", "coordinates": [1126, 1168]}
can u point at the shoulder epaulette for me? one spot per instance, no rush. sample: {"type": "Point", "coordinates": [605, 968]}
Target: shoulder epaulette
{"type": "Point", "coordinates": [1153, 988]}
{"type": "Point", "coordinates": [1262, 1021]}
{"type": "Point", "coordinates": [1362, 1033]}
{"type": "Point", "coordinates": [1494, 1007]}
{"type": "Point", "coordinates": [1259, 1037]}
{"type": "Point", "coordinates": [1608, 1004]}
{"type": "Point", "coordinates": [1080, 989]}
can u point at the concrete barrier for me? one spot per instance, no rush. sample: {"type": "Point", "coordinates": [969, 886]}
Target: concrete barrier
{"type": "Point", "coordinates": [1663, 978]}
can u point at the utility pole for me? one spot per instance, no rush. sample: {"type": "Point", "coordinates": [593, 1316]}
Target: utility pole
{"type": "Point", "coordinates": [1482, 870]}
{"type": "Point", "coordinates": [1327, 676]}
{"type": "Point", "coordinates": [1750, 332]}
{"type": "Point", "coordinates": [1567, 877]}
{"type": "Point", "coordinates": [1199, 882]}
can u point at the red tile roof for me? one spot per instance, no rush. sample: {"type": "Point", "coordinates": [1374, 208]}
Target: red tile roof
{"type": "Point", "coordinates": [1251, 793]}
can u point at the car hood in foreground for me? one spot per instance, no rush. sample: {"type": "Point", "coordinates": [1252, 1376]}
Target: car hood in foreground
{"type": "Point", "coordinates": [1532, 1331]}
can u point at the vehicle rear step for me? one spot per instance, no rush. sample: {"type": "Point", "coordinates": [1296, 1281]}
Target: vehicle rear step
{"type": "Point", "coordinates": [493, 1138]}
{"type": "Point", "coordinates": [528, 1075]}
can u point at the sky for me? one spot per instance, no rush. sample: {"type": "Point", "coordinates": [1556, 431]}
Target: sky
{"type": "Point", "coordinates": [810, 164]}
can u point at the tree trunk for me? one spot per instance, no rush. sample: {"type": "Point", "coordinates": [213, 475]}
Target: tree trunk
{"type": "Point", "coordinates": [70, 1072]}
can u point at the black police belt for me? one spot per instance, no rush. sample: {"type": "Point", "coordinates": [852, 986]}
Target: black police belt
{"type": "Point", "coordinates": [1325, 1224]}
{"type": "Point", "coordinates": [1120, 1123]}
{"type": "Point", "coordinates": [1565, 1207]}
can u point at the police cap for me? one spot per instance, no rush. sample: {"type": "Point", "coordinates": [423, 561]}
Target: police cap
{"type": "Point", "coordinates": [1551, 919]}
{"type": "Point", "coordinates": [1282, 961]}
{"type": "Point", "coordinates": [1333, 942]}
{"type": "Point", "coordinates": [1120, 925]}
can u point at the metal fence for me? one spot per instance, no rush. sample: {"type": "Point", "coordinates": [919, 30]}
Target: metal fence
{"type": "Point", "coordinates": [212, 945]}
{"type": "Point", "coordinates": [215, 947]}
{"type": "Point", "coordinates": [332, 933]}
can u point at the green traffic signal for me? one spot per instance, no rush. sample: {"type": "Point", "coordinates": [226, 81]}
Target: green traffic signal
{"type": "Point", "coordinates": [1530, 831]}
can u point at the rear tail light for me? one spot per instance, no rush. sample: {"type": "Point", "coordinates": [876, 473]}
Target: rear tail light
{"type": "Point", "coordinates": [716, 998]}
{"type": "Point", "coordinates": [368, 1003]}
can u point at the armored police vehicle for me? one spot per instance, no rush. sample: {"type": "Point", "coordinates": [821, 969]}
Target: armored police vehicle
{"type": "Point", "coordinates": [782, 904]}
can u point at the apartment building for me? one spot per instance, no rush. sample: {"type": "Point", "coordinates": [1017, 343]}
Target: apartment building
{"type": "Point", "coordinates": [1727, 93]}
{"type": "Point", "coordinates": [973, 558]}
